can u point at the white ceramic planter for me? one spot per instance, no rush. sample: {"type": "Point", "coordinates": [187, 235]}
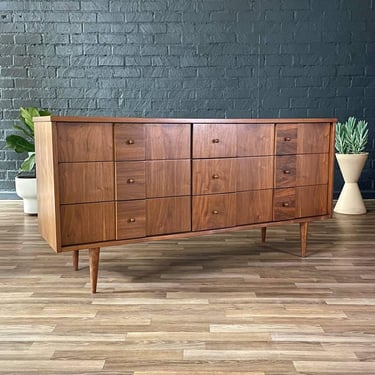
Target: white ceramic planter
{"type": "Point", "coordinates": [350, 201]}
{"type": "Point", "coordinates": [26, 189]}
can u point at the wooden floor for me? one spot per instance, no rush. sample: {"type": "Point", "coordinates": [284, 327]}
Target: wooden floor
{"type": "Point", "coordinates": [214, 305]}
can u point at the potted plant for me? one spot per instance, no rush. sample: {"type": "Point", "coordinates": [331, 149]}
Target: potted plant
{"type": "Point", "coordinates": [21, 143]}
{"type": "Point", "coordinates": [350, 143]}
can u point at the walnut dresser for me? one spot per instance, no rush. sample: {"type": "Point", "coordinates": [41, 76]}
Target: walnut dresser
{"type": "Point", "coordinates": [106, 181]}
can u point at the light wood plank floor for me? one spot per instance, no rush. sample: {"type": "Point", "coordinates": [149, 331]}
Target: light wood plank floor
{"type": "Point", "coordinates": [214, 305]}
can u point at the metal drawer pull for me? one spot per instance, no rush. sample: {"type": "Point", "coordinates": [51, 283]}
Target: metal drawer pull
{"type": "Point", "coordinates": [287, 139]}
{"type": "Point", "coordinates": [130, 142]}
{"type": "Point", "coordinates": [131, 181]}
{"type": "Point", "coordinates": [215, 212]}
{"type": "Point", "coordinates": [215, 140]}
{"type": "Point", "coordinates": [285, 204]}
{"type": "Point", "coordinates": [215, 176]}
{"type": "Point", "coordinates": [286, 171]}
{"type": "Point", "coordinates": [131, 220]}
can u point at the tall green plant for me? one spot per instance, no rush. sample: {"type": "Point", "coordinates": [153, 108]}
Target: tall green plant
{"type": "Point", "coordinates": [351, 136]}
{"type": "Point", "coordinates": [24, 141]}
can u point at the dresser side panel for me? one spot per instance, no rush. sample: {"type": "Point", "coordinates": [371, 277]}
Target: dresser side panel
{"type": "Point", "coordinates": [47, 183]}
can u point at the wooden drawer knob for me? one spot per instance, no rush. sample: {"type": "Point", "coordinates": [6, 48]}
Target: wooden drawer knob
{"type": "Point", "coordinates": [285, 204]}
{"type": "Point", "coordinates": [287, 139]}
{"type": "Point", "coordinates": [131, 220]}
{"type": "Point", "coordinates": [131, 181]}
{"type": "Point", "coordinates": [286, 171]}
{"type": "Point", "coordinates": [215, 140]}
{"type": "Point", "coordinates": [130, 142]}
{"type": "Point", "coordinates": [215, 212]}
{"type": "Point", "coordinates": [215, 176]}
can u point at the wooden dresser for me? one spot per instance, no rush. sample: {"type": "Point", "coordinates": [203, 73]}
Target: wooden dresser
{"type": "Point", "coordinates": [111, 181]}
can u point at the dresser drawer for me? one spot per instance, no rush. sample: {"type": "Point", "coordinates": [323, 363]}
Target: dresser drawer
{"type": "Point", "coordinates": [129, 142]}
{"type": "Point", "coordinates": [301, 170]}
{"type": "Point", "coordinates": [214, 140]}
{"type": "Point", "coordinates": [214, 211]}
{"type": "Point", "coordinates": [168, 215]}
{"type": "Point", "coordinates": [130, 177]}
{"type": "Point", "coordinates": [284, 204]}
{"type": "Point", "coordinates": [87, 223]}
{"type": "Point", "coordinates": [302, 138]}
{"type": "Point", "coordinates": [166, 178]}
{"type": "Point", "coordinates": [79, 142]}
{"type": "Point", "coordinates": [212, 176]}
{"type": "Point", "coordinates": [86, 182]}
{"type": "Point", "coordinates": [131, 219]}
{"type": "Point", "coordinates": [167, 141]}
{"type": "Point", "coordinates": [254, 173]}
{"type": "Point", "coordinates": [254, 207]}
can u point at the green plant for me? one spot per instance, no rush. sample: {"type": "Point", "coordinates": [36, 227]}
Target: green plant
{"type": "Point", "coordinates": [24, 141]}
{"type": "Point", "coordinates": [351, 136]}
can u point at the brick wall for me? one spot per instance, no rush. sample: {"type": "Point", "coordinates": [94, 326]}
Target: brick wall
{"type": "Point", "coordinates": [188, 58]}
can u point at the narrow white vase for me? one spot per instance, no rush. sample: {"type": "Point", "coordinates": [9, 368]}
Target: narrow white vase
{"type": "Point", "coordinates": [350, 201]}
{"type": "Point", "coordinates": [26, 189]}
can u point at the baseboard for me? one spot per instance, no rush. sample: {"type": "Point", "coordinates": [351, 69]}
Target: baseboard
{"type": "Point", "coordinates": [8, 195]}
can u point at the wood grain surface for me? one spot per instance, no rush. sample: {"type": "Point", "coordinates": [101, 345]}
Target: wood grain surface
{"type": "Point", "coordinates": [212, 305]}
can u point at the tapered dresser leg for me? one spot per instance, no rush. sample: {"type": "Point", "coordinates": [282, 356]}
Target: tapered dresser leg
{"type": "Point", "coordinates": [75, 260]}
{"type": "Point", "coordinates": [303, 233]}
{"type": "Point", "coordinates": [94, 267]}
{"type": "Point", "coordinates": [264, 232]}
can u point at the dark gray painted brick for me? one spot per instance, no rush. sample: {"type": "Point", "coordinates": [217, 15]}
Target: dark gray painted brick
{"type": "Point", "coordinates": [94, 5]}
{"type": "Point", "coordinates": [65, 28]}
{"type": "Point", "coordinates": [111, 61]}
{"type": "Point", "coordinates": [159, 5]}
{"type": "Point", "coordinates": [138, 16]}
{"type": "Point", "coordinates": [65, 5]}
{"type": "Point", "coordinates": [110, 17]}
{"type": "Point", "coordinates": [82, 17]}
{"type": "Point", "coordinates": [11, 5]}
{"type": "Point", "coordinates": [84, 38]}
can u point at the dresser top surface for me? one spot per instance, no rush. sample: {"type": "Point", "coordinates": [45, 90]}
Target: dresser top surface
{"type": "Point", "coordinates": [82, 119]}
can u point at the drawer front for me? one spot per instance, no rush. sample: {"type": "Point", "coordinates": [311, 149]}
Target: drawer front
{"type": "Point", "coordinates": [301, 170]}
{"type": "Point", "coordinates": [130, 177]}
{"type": "Point", "coordinates": [311, 138]}
{"type": "Point", "coordinates": [312, 200]}
{"type": "Point", "coordinates": [254, 207]}
{"type": "Point", "coordinates": [214, 141]}
{"type": "Point", "coordinates": [129, 141]}
{"type": "Point", "coordinates": [214, 176]}
{"type": "Point", "coordinates": [86, 182]}
{"type": "Point", "coordinates": [286, 171]}
{"type": "Point", "coordinates": [168, 215]}
{"type": "Point", "coordinates": [255, 139]}
{"type": "Point", "coordinates": [84, 142]}
{"type": "Point", "coordinates": [86, 223]}
{"type": "Point", "coordinates": [214, 211]}
{"type": "Point", "coordinates": [131, 219]}
{"type": "Point", "coordinates": [166, 178]}
{"type": "Point", "coordinates": [167, 141]}
{"type": "Point", "coordinates": [284, 204]}
{"type": "Point", "coordinates": [254, 173]}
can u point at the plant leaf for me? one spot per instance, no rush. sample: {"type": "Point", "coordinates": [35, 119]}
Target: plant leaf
{"type": "Point", "coordinates": [29, 163]}
{"type": "Point", "coordinates": [19, 144]}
